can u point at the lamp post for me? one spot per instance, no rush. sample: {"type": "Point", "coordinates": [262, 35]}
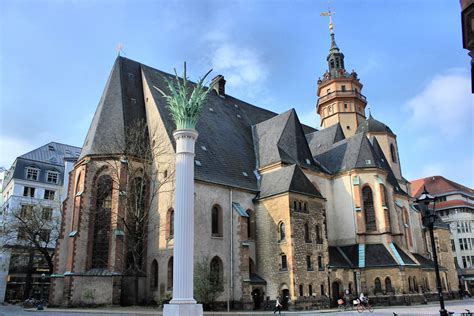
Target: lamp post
{"type": "Point", "coordinates": [429, 218]}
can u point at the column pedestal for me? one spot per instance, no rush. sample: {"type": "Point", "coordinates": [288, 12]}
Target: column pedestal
{"type": "Point", "coordinates": [183, 303]}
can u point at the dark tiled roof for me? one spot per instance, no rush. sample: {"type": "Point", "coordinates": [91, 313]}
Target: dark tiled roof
{"type": "Point", "coordinates": [371, 125]}
{"type": "Point", "coordinates": [377, 255]}
{"type": "Point", "coordinates": [406, 258]}
{"type": "Point", "coordinates": [256, 279]}
{"type": "Point", "coordinates": [351, 153]}
{"type": "Point", "coordinates": [49, 157]}
{"type": "Point", "coordinates": [352, 253]}
{"type": "Point", "coordinates": [425, 263]}
{"type": "Point", "coordinates": [322, 140]}
{"type": "Point", "coordinates": [120, 106]}
{"type": "Point", "coordinates": [286, 179]}
{"type": "Point", "coordinates": [52, 153]}
{"type": "Point", "coordinates": [282, 139]}
{"type": "Point", "coordinates": [337, 260]}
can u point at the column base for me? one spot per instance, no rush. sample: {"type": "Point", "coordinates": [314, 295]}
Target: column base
{"type": "Point", "coordinates": [182, 310]}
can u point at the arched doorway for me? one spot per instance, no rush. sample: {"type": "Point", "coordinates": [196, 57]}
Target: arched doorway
{"type": "Point", "coordinates": [285, 296]}
{"type": "Point", "coordinates": [336, 291]}
{"type": "Point", "coordinates": [257, 299]}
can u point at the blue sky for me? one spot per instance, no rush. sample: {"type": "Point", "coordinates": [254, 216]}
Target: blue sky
{"type": "Point", "coordinates": [55, 57]}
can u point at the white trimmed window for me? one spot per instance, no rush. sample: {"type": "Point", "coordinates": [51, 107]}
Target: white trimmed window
{"type": "Point", "coordinates": [52, 177]}
{"type": "Point", "coordinates": [32, 173]}
{"type": "Point", "coordinates": [29, 191]}
{"type": "Point", "coordinates": [48, 194]}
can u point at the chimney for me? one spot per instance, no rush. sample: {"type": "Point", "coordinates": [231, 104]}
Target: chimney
{"type": "Point", "coordinates": [218, 84]}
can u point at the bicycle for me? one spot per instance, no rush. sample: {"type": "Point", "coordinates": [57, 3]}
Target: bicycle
{"type": "Point", "coordinates": [367, 306]}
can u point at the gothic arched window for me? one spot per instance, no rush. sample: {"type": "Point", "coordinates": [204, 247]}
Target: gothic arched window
{"type": "Point", "coordinates": [369, 211]}
{"type": "Point", "coordinates": [102, 214]}
{"type": "Point", "coordinates": [410, 286]}
{"type": "Point", "coordinates": [388, 285]}
{"type": "Point", "coordinates": [377, 285]}
{"type": "Point", "coordinates": [170, 274]}
{"type": "Point", "coordinates": [251, 225]}
{"type": "Point", "coordinates": [307, 235]}
{"type": "Point", "coordinates": [319, 238]}
{"type": "Point", "coordinates": [170, 223]}
{"type": "Point", "coordinates": [281, 231]}
{"type": "Point", "coordinates": [216, 221]}
{"type": "Point", "coordinates": [216, 272]}
{"type": "Point", "coordinates": [406, 224]}
{"type": "Point", "coordinates": [154, 274]}
{"type": "Point", "coordinates": [383, 195]}
{"type": "Point", "coordinates": [393, 153]}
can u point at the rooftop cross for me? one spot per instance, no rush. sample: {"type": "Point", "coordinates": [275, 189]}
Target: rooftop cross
{"type": "Point", "coordinates": [119, 48]}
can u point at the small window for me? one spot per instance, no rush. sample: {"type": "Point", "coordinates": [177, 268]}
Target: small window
{"type": "Point", "coordinates": [26, 211]}
{"type": "Point", "coordinates": [345, 106]}
{"type": "Point", "coordinates": [309, 266]}
{"type": "Point", "coordinates": [307, 235]}
{"type": "Point", "coordinates": [51, 148]}
{"type": "Point", "coordinates": [47, 213]}
{"type": "Point", "coordinates": [281, 231]}
{"type": "Point", "coordinates": [343, 88]}
{"type": "Point", "coordinates": [393, 153]}
{"type": "Point", "coordinates": [32, 173]}
{"type": "Point", "coordinates": [48, 194]}
{"type": "Point", "coordinates": [52, 177]}
{"type": "Point", "coordinates": [301, 290]}
{"type": "Point", "coordinates": [377, 285]}
{"type": "Point", "coordinates": [320, 263]}
{"type": "Point", "coordinates": [29, 191]}
{"type": "Point", "coordinates": [131, 76]}
{"type": "Point", "coordinates": [284, 263]}
{"type": "Point", "coordinates": [216, 221]}
{"type": "Point", "coordinates": [310, 290]}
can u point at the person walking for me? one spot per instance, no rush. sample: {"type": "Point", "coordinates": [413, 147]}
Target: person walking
{"type": "Point", "coordinates": [277, 306]}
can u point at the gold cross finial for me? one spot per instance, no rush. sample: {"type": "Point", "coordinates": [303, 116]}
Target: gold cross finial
{"type": "Point", "coordinates": [119, 48]}
{"type": "Point", "coordinates": [329, 13]}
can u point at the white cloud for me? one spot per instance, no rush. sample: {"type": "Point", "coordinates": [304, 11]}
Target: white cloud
{"type": "Point", "coordinates": [444, 105]}
{"type": "Point", "coordinates": [244, 68]}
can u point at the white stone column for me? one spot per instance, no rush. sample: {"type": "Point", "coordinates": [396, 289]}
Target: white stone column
{"type": "Point", "coordinates": [183, 303]}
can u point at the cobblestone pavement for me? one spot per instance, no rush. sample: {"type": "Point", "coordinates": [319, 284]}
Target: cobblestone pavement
{"type": "Point", "coordinates": [457, 307]}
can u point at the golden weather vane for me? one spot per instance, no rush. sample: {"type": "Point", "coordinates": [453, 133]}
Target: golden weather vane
{"type": "Point", "coordinates": [329, 13]}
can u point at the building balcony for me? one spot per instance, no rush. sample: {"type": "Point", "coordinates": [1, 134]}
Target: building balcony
{"type": "Point", "coordinates": [343, 94]}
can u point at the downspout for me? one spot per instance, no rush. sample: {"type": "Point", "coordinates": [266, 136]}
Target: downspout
{"type": "Point", "coordinates": [231, 281]}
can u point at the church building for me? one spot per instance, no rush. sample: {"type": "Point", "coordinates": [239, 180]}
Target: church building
{"type": "Point", "coordinates": [281, 208]}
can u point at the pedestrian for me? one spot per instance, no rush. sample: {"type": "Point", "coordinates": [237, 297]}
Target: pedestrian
{"type": "Point", "coordinates": [277, 306]}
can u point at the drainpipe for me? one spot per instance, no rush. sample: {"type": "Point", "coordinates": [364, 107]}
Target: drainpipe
{"type": "Point", "coordinates": [231, 230]}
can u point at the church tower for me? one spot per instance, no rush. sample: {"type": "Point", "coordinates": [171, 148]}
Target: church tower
{"type": "Point", "coordinates": [340, 99]}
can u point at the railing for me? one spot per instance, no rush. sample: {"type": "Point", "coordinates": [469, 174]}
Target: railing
{"type": "Point", "coordinates": [341, 93]}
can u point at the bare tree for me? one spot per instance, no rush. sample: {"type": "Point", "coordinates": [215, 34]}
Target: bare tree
{"type": "Point", "coordinates": [31, 229]}
{"type": "Point", "coordinates": [138, 182]}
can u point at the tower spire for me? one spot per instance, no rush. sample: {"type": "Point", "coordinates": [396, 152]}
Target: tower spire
{"type": "Point", "coordinates": [335, 58]}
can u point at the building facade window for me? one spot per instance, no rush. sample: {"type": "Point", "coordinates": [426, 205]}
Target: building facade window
{"type": "Point", "coordinates": [283, 262]}
{"type": "Point", "coordinates": [388, 285]}
{"type": "Point", "coordinates": [310, 290]}
{"type": "Point", "coordinates": [301, 290]}
{"type": "Point", "coordinates": [322, 289]}
{"type": "Point", "coordinates": [170, 224]}
{"type": "Point", "coordinates": [49, 194]}
{"type": "Point", "coordinates": [169, 279]}
{"type": "Point", "coordinates": [309, 265]}
{"type": "Point", "coordinates": [52, 177]}
{"type": "Point", "coordinates": [319, 237]}
{"type": "Point", "coordinates": [377, 286]}
{"type": "Point", "coordinates": [217, 271]}
{"type": "Point", "coordinates": [393, 153]}
{"type": "Point", "coordinates": [307, 234]}
{"type": "Point", "coordinates": [251, 229]}
{"type": "Point", "coordinates": [102, 219]}
{"type": "Point", "coordinates": [26, 211]}
{"type": "Point", "coordinates": [281, 231]}
{"type": "Point", "coordinates": [154, 275]}
{"type": "Point", "coordinates": [216, 221]}
{"type": "Point", "coordinates": [369, 212]}
{"type": "Point", "coordinates": [32, 173]}
{"type": "Point", "coordinates": [320, 263]}
{"type": "Point", "coordinates": [29, 191]}
{"type": "Point", "coordinates": [47, 213]}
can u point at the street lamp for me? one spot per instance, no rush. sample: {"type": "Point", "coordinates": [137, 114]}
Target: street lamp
{"type": "Point", "coordinates": [40, 305]}
{"type": "Point", "coordinates": [429, 218]}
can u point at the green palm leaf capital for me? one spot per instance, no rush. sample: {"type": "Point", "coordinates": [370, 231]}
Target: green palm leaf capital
{"type": "Point", "coordinates": [185, 105]}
